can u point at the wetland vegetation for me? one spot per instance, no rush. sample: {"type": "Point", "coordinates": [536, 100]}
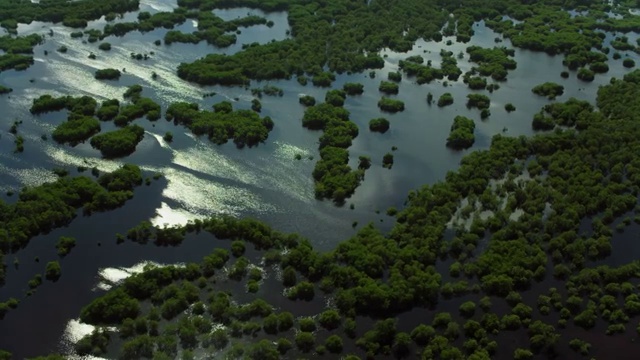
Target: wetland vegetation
{"type": "Point", "coordinates": [504, 257]}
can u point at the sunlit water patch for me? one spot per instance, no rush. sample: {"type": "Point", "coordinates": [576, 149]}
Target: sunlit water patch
{"type": "Point", "coordinates": [109, 277]}
{"type": "Point", "coordinates": [169, 216]}
{"type": "Point", "coordinates": [31, 176]}
{"type": "Point", "coordinates": [159, 6]}
{"type": "Point", "coordinates": [75, 330]}
{"type": "Point", "coordinates": [203, 197]}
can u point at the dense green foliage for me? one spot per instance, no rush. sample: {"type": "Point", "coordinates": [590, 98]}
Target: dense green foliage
{"type": "Point", "coordinates": [118, 143]}
{"type": "Point", "coordinates": [76, 130]}
{"type": "Point", "coordinates": [245, 127]}
{"type": "Point", "coordinates": [53, 271]}
{"type": "Point", "coordinates": [413, 67]}
{"type": "Point", "coordinates": [585, 74]}
{"type": "Point", "coordinates": [107, 74]}
{"type": "Point", "coordinates": [353, 88]}
{"type": "Point", "coordinates": [379, 276]}
{"type": "Point", "coordinates": [492, 62]}
{"type": "Point", "coordinates": [524, 211]}
{"type": "Point", "coordinates": [17, 51]}
{"type": "Point", "coordinates": [388, 87]}
{"type": "Point", "coordinates": [390, 105]}
{"type": "Point", "coordinates": [48, 206]}
{"type": "Point", "coordinates": [80, 124]}
{"type": "Point", "coordinates": [65, 244]}
{"type": "Point", "coordinates": [380, 125]}
{"type": "Point", "coordinates": [548, 89]}
{"type": "Point", "coordinates": [307, 100]}
{"type": "Point", "coordinates": [445, 99]}
{"type": "Point", "coordinates": [70, 13]}
{"type": "Point", "coordinates": [479, 101]}
{"type": "Point", "coordinates": [333, 176]}
{"type": "Point", "coordinates": [628, 63]}
{"type": "Point", "coordinates": [461, 135]}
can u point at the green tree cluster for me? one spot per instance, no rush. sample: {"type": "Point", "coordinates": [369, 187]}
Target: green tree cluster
{"type": "Point", "coordinates": [548, 89]}
{"type": "Point", "coordinates": [333, 176]}
{"type": "Point", "coordinates": [245, 127]}
{"type": "Point", "coordinates": [118, 143]}
{"type": "Point", "coordinates": [461, 135]}
{"type": "Point", "coordinates": [107, 74]}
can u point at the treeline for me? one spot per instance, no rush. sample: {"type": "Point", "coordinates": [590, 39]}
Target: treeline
{"type": "Point", "coordinates": [20, 44]}
{"type": "Point", "coordinates": [352, 30]}
{"type": "Point", "coordinates": [70, 13]}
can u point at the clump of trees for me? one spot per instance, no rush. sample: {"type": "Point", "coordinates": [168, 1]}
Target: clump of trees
{"type": "Point", "coordinates": [105, 46]}
{"type": "Point", "coordinates": [628, 63]}
{"type": "Point", "coordinates": [333, 177]}
{"type": "Point", "coordinates": [269, 90]}
{"type": "Point", "coordinates": [52, 271]}
{"type": "Point", "coordinates": [118, 143]}
{"type": "Point", "coordinates": [307, 100]}
{"type": "Point", "coordinates": [388, 87]}
{"type": "Point", "coordinates": [335, 97]}
{"type": "Point", "coordinates": [51, 205]}
{"type": "Point", "coordinates": [380, 125]}
{"type": "Point", "coordinates": [585, 74]}
{"type": "Point", "coordinates": [461, 134]}
{"type": "Point", "coordinates": [65, 244]}
{"type": "Point", "coordinates": [479, 101]}
{"type": "Point", "coordinates": [390, 105]}
{"type": "Point", "coordinates": [18, 50]}
{"type": "Point", "coordinates": [445, 100]}
{"type": "Point", "coordinates": [107, 74]}
{"type": "Point", "coordinates": [353, 88]}
{"type": "Point", "coordinates": [509, 107]}
{"type": "Point", "coordinates": [245, 127]}
{"type": "Point", "coordinates": [548, 89]}
{"type": "Point", "coordinates": [387, 161]}
{"type": "Point", "coordinates": [413, 66]}
{"type": "Point", "coordinates": [493, 62]}
{"type": "Point", "coordinates": [76, 130]}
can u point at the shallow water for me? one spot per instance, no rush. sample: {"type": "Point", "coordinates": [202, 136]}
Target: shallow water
{"type": "Point", "coordinates": [202, 179]}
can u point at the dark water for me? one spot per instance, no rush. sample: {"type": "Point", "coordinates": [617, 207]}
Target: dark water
{"type": "Point", "coordinates": [202, 179]}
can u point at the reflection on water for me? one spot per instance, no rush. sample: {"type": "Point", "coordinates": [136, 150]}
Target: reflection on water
{"type": "Point", "coordinates": [73, 332]}
{"type": "Point", "coordinates": [107, 278]}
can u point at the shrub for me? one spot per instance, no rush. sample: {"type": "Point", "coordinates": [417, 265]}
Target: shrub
{"type": "Point", "coordinates": [380, 125]}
